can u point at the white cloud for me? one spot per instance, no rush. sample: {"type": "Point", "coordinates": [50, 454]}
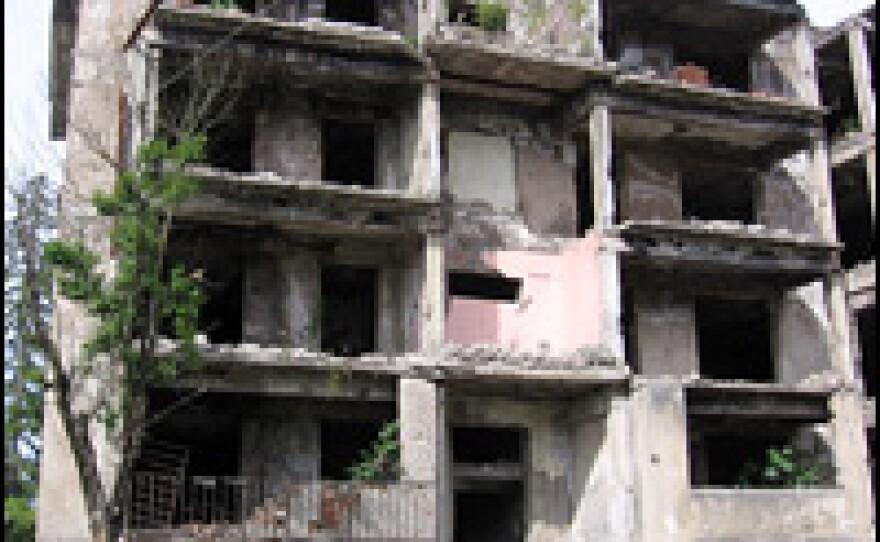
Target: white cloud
{"type": "Point", "coordinates": [831, 12]}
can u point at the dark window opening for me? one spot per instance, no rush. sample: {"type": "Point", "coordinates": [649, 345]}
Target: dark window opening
{"type": "Point", "coordinates": [629, 327]}
{"type": "Point", "coordinates": [349, 152]}
{"type": "Point", "coordinates": [221, 317]}
{"type": "Point", "coordinates": [716, 195]}
{"type": "Point", "coordinates": [351, 11]}
{"type": "Point", "coordinates": [650, 38]}
{"type": "Point", "coordinates": [231, 144]}
{"type": "Point", "coordinates": [342, 444]}
{"type": "Point", "coordinates": [584, 190]}
{"type": "Point", "coordinates": [463, 12]}
{"type": "Point", "coordinates": [186, 461]}
{"type": "Point", "coordinates": [731, 452]}
{"type": "Point", "coordinates": [348, 310]}
{"type": "Point", "coordinates": [736, 339]}
{"type": "Point", "coordinates": [868, 349]}
{"type": "Point", "coordinates": [838, 90]}
{"type": "Point", "coordinates": [490, 514]}
{"type": "Point", "coordinates": [487, 445]}
{"type": "Point", "coordinates": [483, 286]}
{"type": "Point", "coordinates": [853, 213]}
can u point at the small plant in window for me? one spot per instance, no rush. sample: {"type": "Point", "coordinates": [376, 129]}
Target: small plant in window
{"type": "Point", "coordinates": [491, 15]}
{"type": "Point", "coordinates": [225, 4]}
{"type": "Point", "coordinates": [380, 462]}
{"type": "Point", "coordinates": [783, 467]}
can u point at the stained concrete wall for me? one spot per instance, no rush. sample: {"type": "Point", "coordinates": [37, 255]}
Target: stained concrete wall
{"type": "Point", "coordinates": [481, 169]}
{"type": "Point", "coordinates": [786, 198]}
{"type": "Point", "coordinates": [521, 171]}
{"type": "Point", "coordinates": [546, 189]}
{"type": "Point", "coordinates": [572, 469]}
{"type": "Point", "coordinates": [561, 26]}
{"type": "Point", "coordinates": [666, 334]}
{"type": "Point", "coordinates": [650, 186]}
{"type": "Point", "coordinates": [287, 140]}
{"type": "Point", "coordinates": [802, 335]}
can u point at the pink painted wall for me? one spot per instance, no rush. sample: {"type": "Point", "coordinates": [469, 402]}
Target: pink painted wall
{"type": "Point", "coordinates": [559, 302]}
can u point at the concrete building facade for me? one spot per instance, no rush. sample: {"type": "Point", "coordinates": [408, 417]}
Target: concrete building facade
{"type": "Point", "coordinates": [587, 254]}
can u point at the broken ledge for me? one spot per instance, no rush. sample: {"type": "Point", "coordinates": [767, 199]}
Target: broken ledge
{"type": "Point", "coordinates": [699, 245]}
{"type": "Point", "coordinates": [587, 364]}
{"type": "Point", "coordinates": [851, 146]}
{"type": "Point", "coordinates": [772, 105]}
{"type": "Point", "coordinates": [363, 197]}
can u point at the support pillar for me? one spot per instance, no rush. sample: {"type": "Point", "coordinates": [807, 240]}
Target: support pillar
{"type": "Point", "coordinates": [861, 66]}
{"type": "Point", "coordinates": [604, 209]}
{"type": "Point", "coordinates": [425, 454]}
{"type": "Point", "coordinates": [661, 459]}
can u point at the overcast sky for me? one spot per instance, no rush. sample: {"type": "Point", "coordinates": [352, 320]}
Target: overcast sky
{"type": "Point", "coordinates": [26, 63]}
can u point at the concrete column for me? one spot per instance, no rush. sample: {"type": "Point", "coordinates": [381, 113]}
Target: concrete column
{"type": "Point", "coordinates": [805, 80]}
{"type": "Point", "coordinates": [861, 67]}
{"type": "Point", "coordinates": [838, 317]}
{"type": "Point", "coordinates": [661, 460]}
{"type": "Point", "coordinates": [604, 218]}
{"type": "Point", "coordinates": [850, 451]}
{"type": "Point", "coordinates": [432, 324]}
{"type": "Point", "coordinates": [600, 160]}
{"type": "Point", "coordinates": [426, 169]}
{"type": "Point", "coordinates": [823, 194]}
{"type": "Point", "coordinates": [430, 12]}
{"type": "Point", "coordinates": [425, 454]}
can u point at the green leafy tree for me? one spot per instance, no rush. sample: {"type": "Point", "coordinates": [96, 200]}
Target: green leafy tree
{"type": "Point", "coordinates": [130, 293]}
{"type": "Point", "coordinates": [381, 461]}
{"type": "Point", "coordinates": [491, 15]}
{"type": "Point", "coordinates": [29, 219]}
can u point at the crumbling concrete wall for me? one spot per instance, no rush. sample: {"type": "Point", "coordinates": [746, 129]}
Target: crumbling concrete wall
{"type": "Point", "coordinates": [550, 459]}
{"type": "Point", "coordinates": [666, 332]}
{"type": "Point", "coordinates": [603, 481]}
{"type": "Point", "coordinates": [650, 186]}
{"type": "Point", "coordinates": [743, 514]}
{"type": "Point", "coordinates": [560, 26]}
{"type": "Point", "coordinates": [785, 65]}
{"type": "Point", "coordinates": [501, 157]}
{"type": "Point", "coordinates": [802, 335]}
{"type": "Point", "coordinates": [786, 199]}
{"type": "Point", "coordinates": [556, 309]}
{"type": "Point", "coordinates": [287, 141]}
{"type": "Point", "coordinates": [99, 74]}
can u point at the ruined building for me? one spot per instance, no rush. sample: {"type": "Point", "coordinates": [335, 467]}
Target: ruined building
{"type": "Point", "coordinates": [598, 258]}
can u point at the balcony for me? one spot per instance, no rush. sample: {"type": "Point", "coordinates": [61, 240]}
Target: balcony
{"type": "Point", "coordinates": [724, 51]}
{"type": "Point", "coordinates": [312, 207]}
{"type": "Point", "coordinates": [716, 249]}
{"type": "Point", "coordinates": [307, 45]}
{"type": "Point", "coordinates": [162, 507]}
{"type": "Point", "coordinates": [515, 50]}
